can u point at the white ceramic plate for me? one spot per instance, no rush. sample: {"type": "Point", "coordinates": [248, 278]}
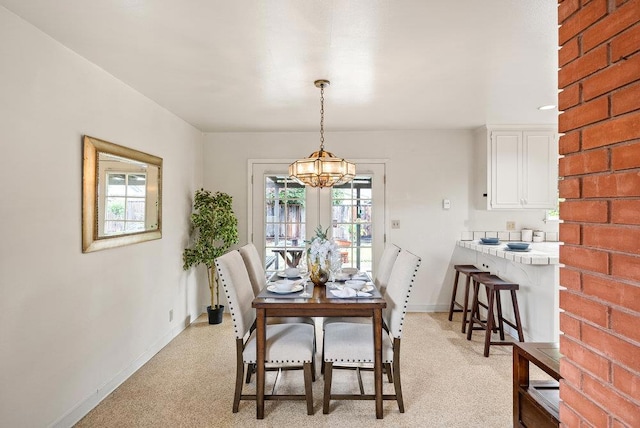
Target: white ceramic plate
{"type": "Point", "coordinates": [367, 288]}
{"type": "Point", "coordinates": [282, 274]}
{"type": "Point", "coordinates": [274, 289]}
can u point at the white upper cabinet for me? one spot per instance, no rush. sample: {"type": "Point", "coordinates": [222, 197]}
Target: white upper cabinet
{"type": "Point", "coordinates": [522, 170]}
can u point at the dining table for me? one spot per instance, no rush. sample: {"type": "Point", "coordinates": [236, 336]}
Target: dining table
{"type": "Point", "coordinates": [320, 304]}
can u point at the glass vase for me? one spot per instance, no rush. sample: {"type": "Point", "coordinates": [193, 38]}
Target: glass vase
{"type": "Point", "coordinates": [319, 272]}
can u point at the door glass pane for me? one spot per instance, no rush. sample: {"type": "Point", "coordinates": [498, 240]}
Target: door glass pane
{"type": "Point", "coordinates": [352, 222]}
{"type": "Point", "coordinates": [285, 222]}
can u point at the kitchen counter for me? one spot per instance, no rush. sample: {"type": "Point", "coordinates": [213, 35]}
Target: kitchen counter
{"type": "Point", "coordinates": [542, 253]}
{"type": "Point", "coordinates": [537, 273]}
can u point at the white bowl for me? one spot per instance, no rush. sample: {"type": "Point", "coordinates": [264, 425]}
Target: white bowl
{"type": "Point", "coordinates": [285, 285]}
{"type": "Point", "coordinates": [292, 272]}
{"type": "Point", "coordinates": [342, 277]}
{"type": "Point", "coordinates": [349, 271]}
{"type": "Point", "coordinates": [356, 284]}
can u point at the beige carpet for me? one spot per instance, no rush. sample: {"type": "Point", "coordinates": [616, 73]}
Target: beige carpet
{"type": "Point", "coordinates": [446, 383]}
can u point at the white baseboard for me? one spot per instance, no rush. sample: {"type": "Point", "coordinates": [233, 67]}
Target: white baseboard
{"type": "Point", "coordinates": [428, 308]}
{"type": "Point", "coordinates": [85, 406]}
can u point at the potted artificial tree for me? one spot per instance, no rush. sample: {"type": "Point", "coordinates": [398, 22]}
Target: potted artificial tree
{"type": "Point", "coordinates": [214, 227]}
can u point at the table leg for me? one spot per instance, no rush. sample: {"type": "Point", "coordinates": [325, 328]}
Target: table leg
{"type": "Point", "coordinates": [377, 360]}
{"type": "Point", "coordinates": [261, 342]}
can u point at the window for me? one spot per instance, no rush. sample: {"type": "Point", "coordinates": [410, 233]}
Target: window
{"type": "Point", "coordinates": [125, 195]}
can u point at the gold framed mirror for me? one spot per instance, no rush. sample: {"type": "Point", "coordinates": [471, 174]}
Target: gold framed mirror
{"type": "Point", "coordinates": [121, 196]}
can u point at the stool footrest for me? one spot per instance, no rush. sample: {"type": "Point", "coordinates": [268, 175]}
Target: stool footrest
{"type": "Point", "coordinates": [509, 323]}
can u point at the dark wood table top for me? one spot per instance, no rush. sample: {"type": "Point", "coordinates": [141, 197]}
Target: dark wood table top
{"type": "Point", "coordinates": [320, 305]}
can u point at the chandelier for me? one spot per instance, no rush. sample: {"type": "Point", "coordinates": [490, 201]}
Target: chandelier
{"type": "Point", "coordinates": [322, 168]}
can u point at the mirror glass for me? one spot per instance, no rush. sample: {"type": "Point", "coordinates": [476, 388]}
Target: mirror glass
{"type": "Point", "coordinates": [122, 197]}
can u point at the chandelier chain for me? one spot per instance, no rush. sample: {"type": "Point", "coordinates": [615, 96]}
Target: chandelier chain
{"type": "Point", "coordinates": [322, 117]}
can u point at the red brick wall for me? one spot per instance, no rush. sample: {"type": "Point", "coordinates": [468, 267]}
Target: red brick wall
{"type": "Point", "coordinates": [600, 79]}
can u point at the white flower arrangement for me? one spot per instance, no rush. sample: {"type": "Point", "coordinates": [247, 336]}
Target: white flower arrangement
{"type": "Point", "coordinates": [324, 250]}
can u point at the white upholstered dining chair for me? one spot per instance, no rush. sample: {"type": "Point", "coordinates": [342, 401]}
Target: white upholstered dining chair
{"type": "Point", "coordinates": [256, 271]}
{"type": "Point", "coordinates": [350, 345]}
{"type": "Point", "coordinates": [257, 276]}
{"type": "Point", "coordinates": [383, 272]}
{"type": "Point", "coordinates": [385, 266]}
{"type": "Point", "coordinates": [288, 345]}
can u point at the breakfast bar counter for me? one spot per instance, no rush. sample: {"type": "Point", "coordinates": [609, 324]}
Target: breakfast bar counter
{"type": "Point", "coordinates": [542, 253]}
{"type": "Point", "coordinates": [536, 272]}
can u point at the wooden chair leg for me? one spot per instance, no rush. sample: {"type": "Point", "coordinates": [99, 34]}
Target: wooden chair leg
{"type": "Point", "coordinates": [239, 375]}
{"type": "Point", "coordinates": [308, 390]}
{"type": "Point", "coordinates": [396, 375]}
{"type": "Point", "coordinates": [387, 369]}
{"type": "Point", "coordinates": [500, 318]}
{"type": "Point", "coordinates": [251, 368]}
{"type": "Point", "coordinates": [487, 337]}
{"type": "Point", "coordinates": [360, 384]}
{"type": "Point", "coordinates": [313, 367]}
{"type": "Point", "coordinates": [328, 369]}
{"type": "Point", "coordinates": [516, 314]}
{"type": "Point", "coordinates": [453, 295]}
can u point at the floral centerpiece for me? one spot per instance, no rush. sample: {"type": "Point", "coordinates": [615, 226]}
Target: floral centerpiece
{"type": "Point", "coordinates": [322, 254]}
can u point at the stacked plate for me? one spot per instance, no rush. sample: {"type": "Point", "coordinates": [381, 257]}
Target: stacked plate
{"type": "Point", "coordinates": [490, 241]}
{"type": "Point", "coordinates": [518, 246]}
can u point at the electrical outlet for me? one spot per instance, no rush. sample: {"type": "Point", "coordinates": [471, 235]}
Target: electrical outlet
{"type": "Point", "coordinates": [170, 315]}
{"type": "Point", "coordinates": [395, 224]}
{"type": "Point", "coordinates": [511, 225]}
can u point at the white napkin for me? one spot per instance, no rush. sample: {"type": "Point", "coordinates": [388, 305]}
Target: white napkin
{"type": "Point", "coordinates": [347, 292]}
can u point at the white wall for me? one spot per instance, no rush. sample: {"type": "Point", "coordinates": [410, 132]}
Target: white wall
{"type": "Point", "coordinates": [73, 325]}
{"type": "Point", "coordinates": [423, 168]}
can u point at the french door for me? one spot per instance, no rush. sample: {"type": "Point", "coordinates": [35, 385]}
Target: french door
{"type": "Point", "coordinates": [283, 214]}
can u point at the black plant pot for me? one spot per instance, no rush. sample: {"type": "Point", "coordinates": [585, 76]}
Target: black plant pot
{"type": "Point", "coordinates": [215, 314]}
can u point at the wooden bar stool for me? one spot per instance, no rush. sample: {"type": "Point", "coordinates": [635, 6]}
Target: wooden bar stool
{"type": "Point", "coordinates": [464, 308]}
{"type": "Point", "coordinates": [494, 285]}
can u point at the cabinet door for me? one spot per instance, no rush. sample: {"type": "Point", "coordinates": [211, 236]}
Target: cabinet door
{"type": "Point", "coordinates": [506, 158]}
{"type": "Point", "coordinates": [539, 170]}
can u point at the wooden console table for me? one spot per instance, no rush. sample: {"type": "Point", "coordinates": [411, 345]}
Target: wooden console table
{"type": "Point", "coordinates": [536, 403]}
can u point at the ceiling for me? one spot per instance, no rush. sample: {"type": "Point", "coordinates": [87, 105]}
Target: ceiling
{"type": "Point", "coordinates": [249, 65]}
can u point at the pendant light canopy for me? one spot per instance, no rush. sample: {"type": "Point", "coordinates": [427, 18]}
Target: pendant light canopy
{"type": "Point", "coordinates": [322, 168]}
